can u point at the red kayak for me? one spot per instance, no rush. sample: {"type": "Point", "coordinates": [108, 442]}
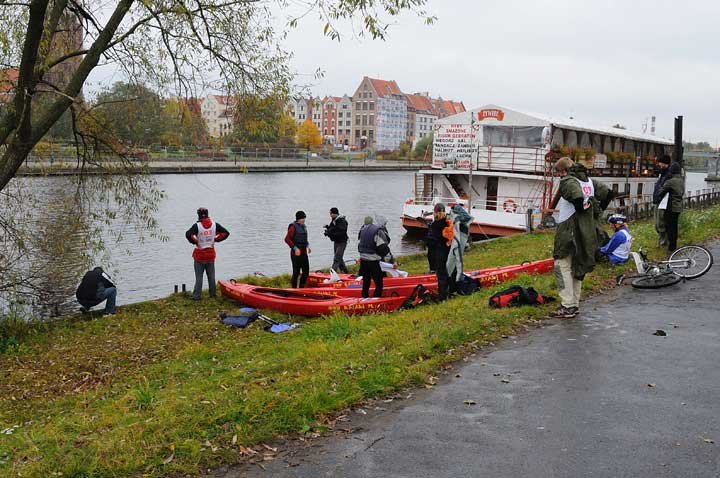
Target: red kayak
{"type": "Point", "coordinates": [302, 302]}
{"type": "Point", "coordinates": [489, 276]}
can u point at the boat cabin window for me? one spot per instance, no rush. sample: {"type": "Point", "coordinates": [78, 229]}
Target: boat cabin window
{"type": "Point", "coordinates": [492, 192]}
{"type": "Point", "coordinates": [627, 189]}
{"type": "Point", "coordinates": [615, 189]}
{"type": "Point", "coordinates": [640, 189]}
{"type": "Point", "coordinates": [512, 136]}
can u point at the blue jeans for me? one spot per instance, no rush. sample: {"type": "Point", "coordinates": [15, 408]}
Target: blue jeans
{"type": "Point", "coordinates": [109, 294]}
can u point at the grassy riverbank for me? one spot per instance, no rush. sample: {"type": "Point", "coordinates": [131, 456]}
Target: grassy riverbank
{"type": "Point", "coordinates": [164, 388]}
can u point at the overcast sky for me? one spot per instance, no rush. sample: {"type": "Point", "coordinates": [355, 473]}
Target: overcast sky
{"type": "Point", "coordinates": [603, 61]}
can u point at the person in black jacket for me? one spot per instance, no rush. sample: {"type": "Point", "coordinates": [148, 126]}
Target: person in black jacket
{"type": "Point", "coordinates": [96, 287]}
{"type": "Point", "coordinates": [442, 230]}
{"type": "Point", "coordinates": [336, 231]}
{"type": "Point", "coordinates": [663, 164]}
{"type": "Point", "coordinates": [297, 240]}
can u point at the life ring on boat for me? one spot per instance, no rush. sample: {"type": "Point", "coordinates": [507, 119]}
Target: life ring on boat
{"type": "Point", "coordinates": [509, 206]}
{"type": "Point", "coordinates": [409, 201]}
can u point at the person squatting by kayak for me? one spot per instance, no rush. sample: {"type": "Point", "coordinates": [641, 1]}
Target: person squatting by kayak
{"type": "Point", "coordinates": [443, 234]}
{"type": "Point", "coordinates": [336, 231]}
{"type": "Point", "coordinates": [204, 234]}
{"type": "Point", "coordinates": [373, 246]}
{"type": "Point", "coordinates": [581, 203]}
{"type": "Point", "coordinates": [297, 239]}
{"type": "Point", "coordinates": [617, 250]}
{"type": "Point", "coordinates": [95, 287]}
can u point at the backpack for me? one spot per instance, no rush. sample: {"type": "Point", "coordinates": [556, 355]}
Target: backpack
{"type": "Point", "coordinates": [516, 296]}
{"type": "Point", "coordinates": [467, 285]}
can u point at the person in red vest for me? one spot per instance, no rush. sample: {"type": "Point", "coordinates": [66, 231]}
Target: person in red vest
{"type": "Point", "coordinates": [204, 234]}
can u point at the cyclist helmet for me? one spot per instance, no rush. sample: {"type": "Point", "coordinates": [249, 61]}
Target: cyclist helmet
{"type": "Point", "coordinates": [617, 219]}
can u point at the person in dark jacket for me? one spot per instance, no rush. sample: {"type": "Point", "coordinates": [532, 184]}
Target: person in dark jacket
{"type": "Point", "coordinates": [373, 246]}
{"type": "Point", "coordinates": [336, 231]}
{"type": "Point", "coordinates": [204, 234]}
{"type": "Point", "coordinates": [297, 239]}
{"type": "Point", "coordinates": [663, 164]}
{"type": "Point", "coordinates": [443, 229]}
{"type": "Point", "coordinates": [431, 241]}
{"type": "Point", "coordinates": [96, 287]}
{"type": "Point", "coordinates": [674, 186]}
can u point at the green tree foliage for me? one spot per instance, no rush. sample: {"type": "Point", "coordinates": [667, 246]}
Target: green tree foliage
{"type": "Point", "coordinates": [134, 113]}
{"type": "Point", "coordinates": [423, 148]}
{"type": "Point", "coordinates": [261, 119]}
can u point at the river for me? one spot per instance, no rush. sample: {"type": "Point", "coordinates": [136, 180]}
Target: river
{"type": "Point", "coordinates": [256, 209]}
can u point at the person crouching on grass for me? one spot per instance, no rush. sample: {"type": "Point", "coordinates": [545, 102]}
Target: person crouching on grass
{"type": "Point", "coordinates": [576, 237]}
{"type": "Point", "coordinates": [617, 250]}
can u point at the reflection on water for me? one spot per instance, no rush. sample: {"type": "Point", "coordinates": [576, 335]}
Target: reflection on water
{"type": "Point", "coordinates": [255, 208]}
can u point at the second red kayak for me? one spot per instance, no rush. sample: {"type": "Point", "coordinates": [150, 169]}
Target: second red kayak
{"type": "Point", "coordinates": [487, 277]}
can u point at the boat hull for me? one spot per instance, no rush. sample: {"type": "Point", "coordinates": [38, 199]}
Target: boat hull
{"type": "Point", "coordinates": [299, 302]}
{"type": "Point", "coordinates": [487, 277]}
{"type": "Point", "coordinates": [417, 226]}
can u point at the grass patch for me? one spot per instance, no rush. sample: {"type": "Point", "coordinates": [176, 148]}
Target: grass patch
{"type": "Point", "coordinates": [164, 388]}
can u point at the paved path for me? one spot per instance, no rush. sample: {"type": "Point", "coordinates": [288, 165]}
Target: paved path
{"type": "Point", "coordinates": [597, 396]}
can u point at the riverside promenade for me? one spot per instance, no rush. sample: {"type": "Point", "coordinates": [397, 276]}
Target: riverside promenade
{"type": "Point", "coordinates": [599, 395]}
{"type": "Point", "coordinates": [44, 168]}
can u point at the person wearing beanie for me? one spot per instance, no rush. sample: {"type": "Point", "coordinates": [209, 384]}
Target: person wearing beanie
{"type": "Point", "coordinates": [674, 188]}
{"type": "Point", "coordinates": [297, 239]}
{"type": "Point", "coordinates": [336, 231]}
{"type": "Point", "coordinates": [373, 246]}
{"type": "Point", "coordinates": [663, 165]}
{"type": "Point", "coordinates": [204, 234]}
{"type": "Point", "coordinates": [442, 231]}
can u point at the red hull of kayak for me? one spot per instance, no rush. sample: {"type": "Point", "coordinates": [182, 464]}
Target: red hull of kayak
{"type": "Point", "coordinates": [487, 277]}
{"type": "Point", "coordinates": [302, 302]}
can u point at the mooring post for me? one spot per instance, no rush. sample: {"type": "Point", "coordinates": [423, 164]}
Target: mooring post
{"type": "Point", "coordinates": [183, 288]}
{"type": "Point", "coordinates": [176, 288]}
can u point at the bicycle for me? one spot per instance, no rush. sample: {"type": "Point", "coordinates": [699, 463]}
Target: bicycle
{"type": "Point", "coordinates": [687, 262]}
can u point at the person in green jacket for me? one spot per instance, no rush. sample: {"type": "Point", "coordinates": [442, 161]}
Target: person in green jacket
{"type": "Point", "coordinates": [675, 187]}
{"type": "Point", "coordinates": [581, 203]}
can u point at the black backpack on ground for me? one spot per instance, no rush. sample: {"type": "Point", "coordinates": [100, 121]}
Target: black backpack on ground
{"type": "Point", "coordinates": [467, 285]}
{"type": "Point", "coordinates": [516, 296]}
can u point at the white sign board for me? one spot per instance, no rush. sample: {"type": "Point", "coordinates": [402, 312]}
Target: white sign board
{"type": "Point", "coordinates": [599, 161]}
{"type": "Point", "coordinates": [454, 146]}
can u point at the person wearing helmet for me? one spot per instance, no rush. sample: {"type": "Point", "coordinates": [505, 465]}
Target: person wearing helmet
{"type": "Point", "coordinates": [617, 250]}
{"type": "Point", "coordinates": [204, 234]}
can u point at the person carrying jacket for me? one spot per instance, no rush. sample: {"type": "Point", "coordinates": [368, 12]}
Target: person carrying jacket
{"type": "Point", "coordinates": [373, 246]}
{"type": "Point", "coordinates": [576, 240]}
{"type": "Point", "coordinates": [663, 164]}
{"type": "Point", "coordinates": [297, 239]}
{"type": "Point", "coordinates": [617, 250]}
{"type": "Point", "coordinates": [674, 186]}
{"type": "Point", "coordinates": [204, 234]}
{"type": "Point", "coordinates": [95, 287]}
{"type": "Point", "coordinates": [336, 231]}
{"type": "Point", "coordinates": [461, 220]}
{"type": "Point", "coordinates": [443, 228]}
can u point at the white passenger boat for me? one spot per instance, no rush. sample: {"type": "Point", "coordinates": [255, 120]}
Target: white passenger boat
{"type": "Point", "coordinates": [498, 162]}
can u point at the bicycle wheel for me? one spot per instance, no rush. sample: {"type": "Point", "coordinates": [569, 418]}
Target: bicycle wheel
{"type": "Point", "coordinates": [697, 261]}
{"type": "Point", "coordinates": [655, 282]}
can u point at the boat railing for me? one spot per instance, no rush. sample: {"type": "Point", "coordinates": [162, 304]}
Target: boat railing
{"type": "Point", "coordinates": [518, 205]}
{"type": "Point", "coordinates": [511, 159]}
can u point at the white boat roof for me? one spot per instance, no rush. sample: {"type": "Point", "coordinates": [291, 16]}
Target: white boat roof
{"type": "Point", "coordinates": [496, 115]}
